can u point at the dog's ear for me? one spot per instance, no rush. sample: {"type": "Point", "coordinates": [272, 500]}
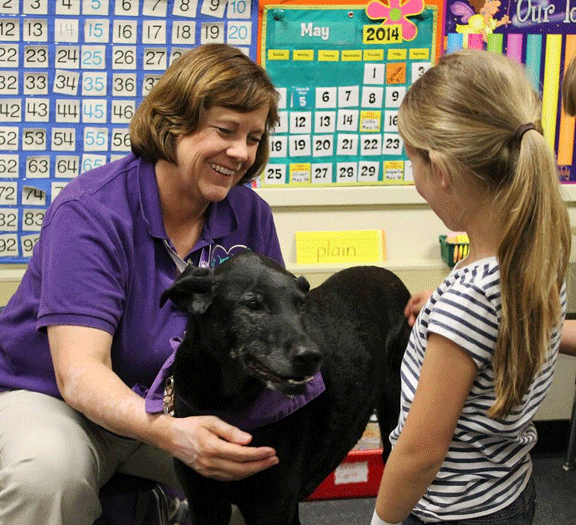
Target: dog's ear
{"type": "Point", "coordinates": [192, 291]}
{"type": "Point", "coordinates": [302, 284]}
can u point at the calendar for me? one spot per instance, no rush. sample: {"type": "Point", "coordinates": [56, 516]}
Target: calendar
{"type": "Point", "coordinates": [342, 72]}
{"type": "Point", "coordinates": [72, 73]}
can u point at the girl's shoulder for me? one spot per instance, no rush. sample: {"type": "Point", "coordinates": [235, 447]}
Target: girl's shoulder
{"type": "Point", "coordinates": [466, 308]}
{"type": "Point", "coordinates": [482, 275]}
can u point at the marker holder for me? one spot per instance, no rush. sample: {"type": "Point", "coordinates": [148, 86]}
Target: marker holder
{"type": "Point", "coordinates": [452, 252]}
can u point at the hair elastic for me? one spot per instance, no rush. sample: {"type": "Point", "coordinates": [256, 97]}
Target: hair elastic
{"type": "Point", "coordinates": [523, 129]}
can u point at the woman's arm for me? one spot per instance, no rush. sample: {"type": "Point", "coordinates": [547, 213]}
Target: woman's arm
{"type": "Point", "coordinates": [415, 304]}
{"type": "Point", "coordinates": [445, 381]}
{"type": "Point", "coordinates": [82, 364]}
{"type": "Point", "coordinates": [568, 340]}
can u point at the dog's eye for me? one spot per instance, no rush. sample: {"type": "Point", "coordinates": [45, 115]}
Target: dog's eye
{"type": "Point", "coordinates": [253, 303]}
{"type": "Point", "coordinates": [298, 301]}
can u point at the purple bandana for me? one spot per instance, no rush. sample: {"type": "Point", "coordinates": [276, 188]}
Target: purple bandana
{"type": "Point", "coordinates": [268, 407]}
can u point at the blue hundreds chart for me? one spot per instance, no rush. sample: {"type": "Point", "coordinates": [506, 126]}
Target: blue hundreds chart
{"type": "Point", "coordinates": [72, 73]}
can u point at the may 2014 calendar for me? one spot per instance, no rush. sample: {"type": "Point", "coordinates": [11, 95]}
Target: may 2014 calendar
{"type": "Point", "coordinates": [342, 71]}
{"type": "Point", "coordinates": [72, 73]}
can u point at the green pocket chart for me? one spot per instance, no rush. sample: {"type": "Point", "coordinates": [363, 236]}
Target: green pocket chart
{"type": "Point", "coordinates": [342, 76]}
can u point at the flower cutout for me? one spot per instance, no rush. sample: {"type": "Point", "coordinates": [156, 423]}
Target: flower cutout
{"type": "Point", "coordinates": [394, 12]}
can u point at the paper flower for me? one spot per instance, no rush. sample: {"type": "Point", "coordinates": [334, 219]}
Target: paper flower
{"type": "Point", "coordinates": [394, 12]}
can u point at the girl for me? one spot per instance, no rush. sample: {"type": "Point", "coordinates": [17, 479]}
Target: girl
{"type": "Point", "coordinates": [483, 350]}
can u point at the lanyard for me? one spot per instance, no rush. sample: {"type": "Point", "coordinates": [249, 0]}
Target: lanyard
{"type": "Point", "coordinates": [181, 263]}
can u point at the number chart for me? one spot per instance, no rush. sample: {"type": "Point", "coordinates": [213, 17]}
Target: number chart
{"type": "Point", "coordinates": [72, 73]}
{"type": "Point", "coordinates": [342, 73]}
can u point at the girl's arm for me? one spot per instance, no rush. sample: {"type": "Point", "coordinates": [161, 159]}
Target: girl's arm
{"type": "Point", "coordinates": [82, 363]}
{"type": "Point", "coordinates": [446, 378]}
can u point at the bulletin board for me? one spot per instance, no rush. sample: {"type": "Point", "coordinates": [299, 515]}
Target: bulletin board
{"type": "Point", "coordinates": [541, 35]}
{"type": "Point", "coordinates": [342, 73]}
{"type": "Point", "coordinates": [72, 73]}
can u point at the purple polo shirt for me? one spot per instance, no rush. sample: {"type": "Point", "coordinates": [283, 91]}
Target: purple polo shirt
{"type": "Point", "coordinates": [101, 261]}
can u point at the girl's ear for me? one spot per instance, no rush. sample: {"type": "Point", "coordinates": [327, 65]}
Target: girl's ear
{"type": "Point", "coordinates": [444, 177]}
{"type": "Point", "coordinates": [439, 171]}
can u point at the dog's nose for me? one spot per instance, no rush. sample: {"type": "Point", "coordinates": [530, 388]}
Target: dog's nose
{"type": "Point", "coordinates": [306, 358]}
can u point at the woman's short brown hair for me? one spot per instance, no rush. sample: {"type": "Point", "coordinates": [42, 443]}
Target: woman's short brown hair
{"type": "Point", "coordinates": [207, 76]}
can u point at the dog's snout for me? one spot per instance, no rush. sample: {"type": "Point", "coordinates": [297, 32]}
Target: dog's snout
{"type": "Point", "coordinates": [306, 358]}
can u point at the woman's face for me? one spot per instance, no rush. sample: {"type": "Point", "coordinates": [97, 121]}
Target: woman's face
{"type": "Point", "coordinates": [214, 158]}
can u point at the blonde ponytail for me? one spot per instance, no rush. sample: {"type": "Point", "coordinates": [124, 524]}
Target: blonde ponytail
{"type": "Point", "coordinates": [533, 257]}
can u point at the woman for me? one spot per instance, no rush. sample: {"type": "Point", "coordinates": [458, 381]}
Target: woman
{"type": "Point", "coordinates": [85, 326]}
{"type": "Point", "coordinates": [568, 342]}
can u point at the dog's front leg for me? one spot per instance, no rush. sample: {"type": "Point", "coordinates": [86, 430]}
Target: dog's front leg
{"type": "Point", "coordinates": [269, 497]}
{"type": "Point", "coordinates": [217, 514]}
{"type": "Point", "coordinates": [206, 497]}
{"type": "Point", "coordinates": [257, 514]}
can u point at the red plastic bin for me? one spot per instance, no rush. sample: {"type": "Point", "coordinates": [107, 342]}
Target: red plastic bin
{"type": "Point", "coordinates": [358, 476]}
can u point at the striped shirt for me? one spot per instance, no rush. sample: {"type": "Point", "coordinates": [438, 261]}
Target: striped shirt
{"type": "Point", "coordinates": [488, 462]}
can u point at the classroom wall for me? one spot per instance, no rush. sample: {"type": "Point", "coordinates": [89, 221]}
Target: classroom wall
{"type": "Point", "coordinates": [411, 228]}
{"type": "Point", "coordinates": [412, 232]}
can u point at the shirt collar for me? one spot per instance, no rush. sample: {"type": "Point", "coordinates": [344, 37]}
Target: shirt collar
{"type": "Point", "coordinates": [221, 217]}
{"type": "Point", "coordinates": [150, 199]}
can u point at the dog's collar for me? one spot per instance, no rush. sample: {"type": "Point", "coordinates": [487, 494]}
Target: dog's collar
{"type": "Point", "coordinates": [268, 407]}
{"type": "Point", "coordinates": [168, 398]}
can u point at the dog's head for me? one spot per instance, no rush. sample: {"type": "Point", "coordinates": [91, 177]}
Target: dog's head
{"type": "Point", "coordinates": [254, 309]}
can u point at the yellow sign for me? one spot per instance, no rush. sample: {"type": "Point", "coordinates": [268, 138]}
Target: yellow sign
{"type": "Point", "coordinates": [420, 54]}
{"type": "Point", "coordinates": [303, 54]}
{"type": "Point", "coordinates": [332, 247]}
{"type": "Point", "coordinates": [382, 34]}
{"type": "Point", "coordinates": [370, 120]}
{"type": "Point", "coordinates": [397, 54]}
{"type": "Point", "coordinates": [351, 55]}
{"type": "Point", "coordinates": [374, 54]}
{"type": "Point", "coordinates": [278, 54]}
{"type": "Point", "coordinates": [328, 55]}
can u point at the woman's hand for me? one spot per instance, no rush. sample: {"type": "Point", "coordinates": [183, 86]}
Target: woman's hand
{"type": "Point", "coordinates": [415, 304]}
{"type": "Point", "coordinates": [218, 450]}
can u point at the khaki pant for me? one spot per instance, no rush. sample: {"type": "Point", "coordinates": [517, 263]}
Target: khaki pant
{"type": "Point", "coordinates": [53, 462]}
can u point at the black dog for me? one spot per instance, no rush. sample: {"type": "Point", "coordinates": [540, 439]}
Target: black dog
{"type": "Point", "coordinates": [253, 325]}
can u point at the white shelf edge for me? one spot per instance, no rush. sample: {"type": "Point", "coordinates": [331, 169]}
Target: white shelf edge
{"type": "Point", "coordinates": [12, 274]}
{"type": "Point", "coordinates": [16, 274]}
{"type": "Point", "coordinates": [339, 196]}
{"type": "Point", "coordinates": [358, 196]}
{"type": "Point", "coordinates": [569, 192]}
{"type": "Point", "coordinates": [394, 265]}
